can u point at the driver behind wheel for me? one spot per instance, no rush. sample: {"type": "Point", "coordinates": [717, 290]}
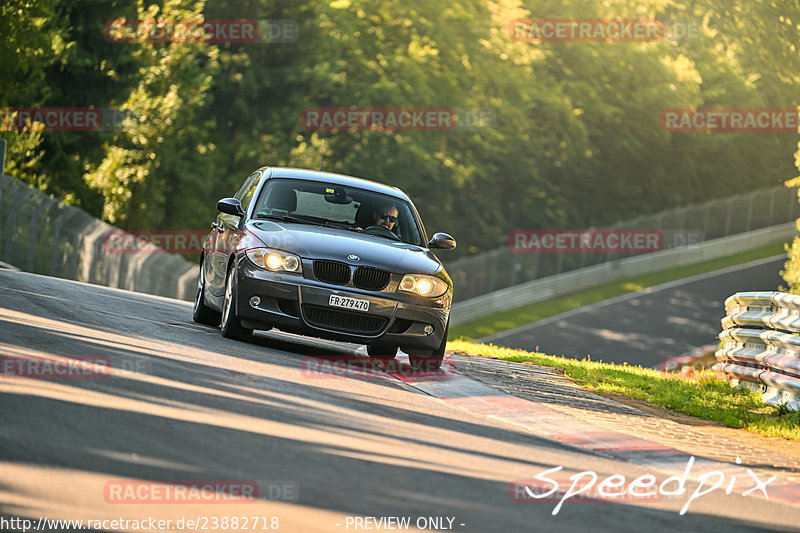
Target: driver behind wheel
{"type": "Point", "coordinates": [385, 215]}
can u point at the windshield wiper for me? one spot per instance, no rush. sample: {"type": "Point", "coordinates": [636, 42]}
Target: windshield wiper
{"type": "Point", "coordinates": [286, 218]}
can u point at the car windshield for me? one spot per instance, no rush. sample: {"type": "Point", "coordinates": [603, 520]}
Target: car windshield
{"type": "Point", "coordinates": [346, 208]}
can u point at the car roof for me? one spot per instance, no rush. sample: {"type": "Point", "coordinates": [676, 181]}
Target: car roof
{"type": "Point", "coordinates": [335, 179]}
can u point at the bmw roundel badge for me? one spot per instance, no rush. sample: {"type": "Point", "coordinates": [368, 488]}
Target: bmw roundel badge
{"type": "Point", "coordinates": [353, 257]}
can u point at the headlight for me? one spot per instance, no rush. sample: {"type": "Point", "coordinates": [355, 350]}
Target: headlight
{"type": "Point", "coordinates": [430, 286]}
{"type": "Point", "coordinates": [274, 260]}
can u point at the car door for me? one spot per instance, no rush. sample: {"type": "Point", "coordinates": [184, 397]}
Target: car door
{"type": "Point", "coordinates": [224, 235]}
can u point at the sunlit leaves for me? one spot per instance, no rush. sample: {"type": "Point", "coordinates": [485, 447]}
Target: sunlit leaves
{"type": "Point", "coordinates": [576, 139]}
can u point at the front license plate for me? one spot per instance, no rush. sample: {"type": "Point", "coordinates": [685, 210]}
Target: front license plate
{"type": "Point", "coordinates": [348, 303]}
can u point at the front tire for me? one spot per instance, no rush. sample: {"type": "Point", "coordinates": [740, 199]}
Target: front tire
{"type": "Point", "coordinates": [203, 314]}
{"type": "Point", "coordinates": [231, 326]}
{"type": "Point", "coordinates": [386, 352]}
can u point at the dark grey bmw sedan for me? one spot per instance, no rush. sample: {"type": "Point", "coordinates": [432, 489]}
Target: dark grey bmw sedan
{"type": "Point", "coordinates": [330, 256]}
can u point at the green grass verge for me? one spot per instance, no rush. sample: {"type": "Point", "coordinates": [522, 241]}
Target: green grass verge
{"type": "Point", "coordinates": [519, 316]}
{"type": "Point", "coordinates": [703, 396]}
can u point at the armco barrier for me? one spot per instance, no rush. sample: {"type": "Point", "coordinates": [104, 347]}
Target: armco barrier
{"type": "Point", "coordinates": [761, 348]}
{"type": "Point", "coordinates": [42, 235]}
{"type": "Point", "coordinates": [593, 276]}
{"type": "Point", "coordinates": [717, 218]}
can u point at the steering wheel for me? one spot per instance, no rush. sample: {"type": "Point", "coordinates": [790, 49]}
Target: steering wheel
{"type": "Point", "coordinates": [380, 230]}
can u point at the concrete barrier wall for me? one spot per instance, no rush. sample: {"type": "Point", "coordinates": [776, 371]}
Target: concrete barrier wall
{"type": "Point", "coordinates": [593, 276]}
{"type": "Point", "coordinates": [716, 218]}
{"type": "Point", "coordinates": [42, 235]}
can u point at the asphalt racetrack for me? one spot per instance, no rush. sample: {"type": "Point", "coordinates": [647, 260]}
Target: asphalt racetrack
{"type": "Point", "coordinates": [646, 327]}
{"type": "Point", "coordinates": [180, 404]}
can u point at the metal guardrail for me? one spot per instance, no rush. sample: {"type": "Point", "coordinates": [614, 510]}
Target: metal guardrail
{"type": "Point", "coordinates": [502, 268]}
{"type": "Point", "coordinates": [43, 235]}
{"type": "Point", "coordinates": [761, 351]}
{"type": "Point", "coordinates": [596, 275]}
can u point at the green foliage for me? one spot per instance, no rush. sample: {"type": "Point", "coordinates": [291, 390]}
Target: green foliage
{"type": "Point", "coordinates": [23, 154]}
{"type": "Point", "coordinates": [576, 139]}
{"type": "Point", "coordinates": [791, 271]}
{"type": "Point", "coordinates": [703, 396]}
{"type": "Point", "coordinates": [32, 40]}
{"type": "Point", "coordinates": [160, 152]}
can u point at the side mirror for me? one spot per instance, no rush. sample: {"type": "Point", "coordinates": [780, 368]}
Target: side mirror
{"type": "Point", "coordinates": [443, 241]}
{"type": "Point", "coordinates": [230, 206]}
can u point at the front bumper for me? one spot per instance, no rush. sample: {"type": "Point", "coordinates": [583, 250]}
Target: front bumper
{"type": "Point", "coordinates": [298, 304]}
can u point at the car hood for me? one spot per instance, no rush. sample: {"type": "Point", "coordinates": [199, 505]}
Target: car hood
{"type": "Point", "coordinates": [319, 242]}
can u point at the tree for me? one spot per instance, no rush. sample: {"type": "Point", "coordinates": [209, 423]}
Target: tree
{"type": "Point", "coordinates": [164, 148]}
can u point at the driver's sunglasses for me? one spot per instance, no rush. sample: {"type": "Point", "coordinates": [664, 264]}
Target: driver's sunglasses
{"type": "Point", "coordinates": [387, 216]}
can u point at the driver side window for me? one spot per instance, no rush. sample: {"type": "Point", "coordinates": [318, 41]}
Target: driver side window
{"type": "Point", "coordinates": [246, 192]}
